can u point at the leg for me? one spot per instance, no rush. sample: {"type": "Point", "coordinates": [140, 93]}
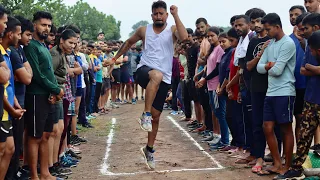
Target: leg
{"type": "Point", "coordinates": [5, 160]}
{"type": "Point", "coordinates": [152, 88]}
{"type": "Point", "coordinates": [44, 157]}
{"type": "Point", "coordinates": [33, 149]}
{"type": "Point", "coordinates": [155, 125]}
{"type": "Point", "coordinates": [288, 143]}
{"type": "Point", "coordinates": [309, 125]}
{"type": "Point", "coordinates": [174, 84]}
{"type": "Point", "coordinates": [186, 98]}
{"type": "Point", "coordinates": [51, 140]}
{"type": "Point", "coordinates": [57, 141]}
{"type": "Point", "coordinates": [221, 116]}
{"type": "Point", "coordinates": [317, 136]}
{"type": "Point", "coordinates": [122, 91]}
{"type": "Point", "coordinates": [268, 127]}
{"type": "Point", "coordinates": [82, 108]}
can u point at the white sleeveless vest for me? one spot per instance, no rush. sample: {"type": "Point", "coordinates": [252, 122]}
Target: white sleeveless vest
{"type": "Point", "coordinates": [158, 52]}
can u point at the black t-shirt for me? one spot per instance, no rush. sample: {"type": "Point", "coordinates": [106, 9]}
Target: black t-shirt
{"type": "Point", "coordinates": [1, 92]}
{"type": "Point", "coordinates": [192, 57]}
{"type": "Point", "coordinates": [259, 82]}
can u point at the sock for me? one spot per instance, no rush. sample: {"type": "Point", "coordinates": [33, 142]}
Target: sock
{"type": "Point", "coordinates": [150, 149]}
{"type": "Point", "coordinates": [148, 114]}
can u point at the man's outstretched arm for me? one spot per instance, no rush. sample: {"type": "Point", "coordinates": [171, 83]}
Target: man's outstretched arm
{"type": "Point", "coordinates": [137, 36]}
{"type": "Point", "coordinates": [180, 31]}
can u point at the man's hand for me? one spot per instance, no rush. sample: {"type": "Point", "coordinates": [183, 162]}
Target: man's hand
{"type": "Point", "coordinates": [112, 79]}
{"type": "Point", "coordinates": [18, 113]}
{"type": "Point", "coordinates": [52, 99]}
{"type": "Point", "coordinates": [174, 10]}
{"type": "Point", "coordinates": [61, 94]}
{"type": "Point", "coordinates": [218, 91]}
{"type": "Point", "coordinates": [265, 45]}
{"type": "Point", "coordinates": [314, 69]}
{"type": "Point", "coordinates": [202, 82]}
{"type": "Point", "coordinates": [70, 72]}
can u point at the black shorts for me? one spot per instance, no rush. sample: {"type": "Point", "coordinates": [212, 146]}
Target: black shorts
{"type": "Point", "coordinates": [143, 79]}
{"type": "Point", "coordinates": [192, 90]}
{"type": "Point", "coordinates": [125, 77]}
{"type": "Point", "coordinates": [39, 116]}
{"type": "Point", "coordinates": [106, 84]}
{"type": "Point", "coordinates": [116, 75]}
{"type": "Point", "coordinates": [135, 77]}
{"type": "Point", "coordinates": [298, 105]}
{"type": "Point", "coordinates": [5, 130]}
{"type": "Point", "coordinates": [79, 92]}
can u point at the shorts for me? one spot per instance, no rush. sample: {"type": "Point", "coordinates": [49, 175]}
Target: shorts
{"type": "Point", "coordinates": [116, 75]}
{"type": "Point", "coordinates": [143, 80]}
{"type": "Point", "coordinates": [125, 77]}
{"type": "Point", "coordinates": [106, 84]}
{"type": "Point", "coordinates": [59, 112]}
{"type": "Point", "coordinates": [135, 77]}
{"type": "Point", "coordinates": [5, 130]}
{"type": "Point", "coordinates": [192, 90]}
{"type": "Point", "coordinates": [298, 105]}
{"type": "Point", "coordinates": [278, 109]}
{"type": "Point", "coordinates": [72, 109]}
{"type": "Point", "coordinates": [39, 115]}
{"type": "Point", "coordinates": [79, 92]}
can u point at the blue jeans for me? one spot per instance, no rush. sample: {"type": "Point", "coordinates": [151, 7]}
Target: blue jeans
{"type": "Point", "coordinates": [221, 115]}
{"type": "Point", "coordinates": [179, 95]}
{"type": "Point", "coordinates": [92, 98]}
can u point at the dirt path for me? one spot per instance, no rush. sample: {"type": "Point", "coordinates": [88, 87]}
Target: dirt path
{"type": "Point", "coordinates": [178, 155]}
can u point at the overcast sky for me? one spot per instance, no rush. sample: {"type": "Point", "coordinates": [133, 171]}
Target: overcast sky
{"type": "Point", "coordinates": [217, 12]}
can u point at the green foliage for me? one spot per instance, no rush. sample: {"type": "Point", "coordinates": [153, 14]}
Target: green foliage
{"type": "Point", "coordinates": [87, 18]}
{"type": "Point", "coordinates": [137, 25]}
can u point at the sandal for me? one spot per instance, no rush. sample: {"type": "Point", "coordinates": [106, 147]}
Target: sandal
{"type": "Point", "coordinates": [256, 169]}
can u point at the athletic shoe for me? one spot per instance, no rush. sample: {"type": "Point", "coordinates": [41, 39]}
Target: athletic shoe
{"type": "Point", "coordinates": [215, 140]}
{"type": "Point", "coordinates": [217, 146]}
{"type": "Point", "coordinates": [134, 102]}
{"type": "Point", "coordinates": [145, 122]}
{"type": "Point", "coordinates": [90, 117]}
{"type": "Point", "coordinates": [87, 125]}
{"type": "Point", "coordinates": [72, 159]}
{"type": "Point", "coordinates": [74, 141]}
{"type": "Point", "coordinates": [208, 138]}
{"type": "Point", "coordinates": [57, 170]}
{"type": "Point", "coordinates": [67, 163]}
{"type": "Point", "coordinates": [142, 98]}
{"type": "Point", "coordinates": [114, 105]}
{"type": "Point", "coordinates": [78, 139]}
{"type": "Point", "coordinates": [72, 154]}
{"type": "Point", "coordinates": [23, 174]}
{"type": "Point", "coordinates": [174, 113]}
{"type": "Point", "coordinates": [75, 149]}
{"type": "Point", "coordinates": [137, 98]}
{"type": "Point", "coordinates": [291, 175]}
{"type": "Point", "coordinates": [118, 100]}
{"type": "Point", "coordinates": [148, 157]}
{"type": "Point", "coordinates": [315, 147]}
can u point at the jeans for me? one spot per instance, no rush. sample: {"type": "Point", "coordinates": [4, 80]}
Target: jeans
{"type": "Point", "coordinates": [174, 85]}
{"type": "Point", "coordinates": [92, 98]}
{"type": "Point", "coordinates": [221, 116]}
{"type": "Point", "coordinates": [179, 95]}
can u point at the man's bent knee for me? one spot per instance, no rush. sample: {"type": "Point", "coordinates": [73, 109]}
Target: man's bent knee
{"type": "Point", "coordinates": [155, 75]}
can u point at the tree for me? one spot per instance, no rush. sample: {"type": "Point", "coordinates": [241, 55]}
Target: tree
{"type": "Point", "coordinates": [137, 25]}
{"type": "Point", "coordinates": [87, 18]}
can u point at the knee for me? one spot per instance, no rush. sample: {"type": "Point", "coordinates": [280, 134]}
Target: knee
{"type": "Point", "coordinates": [155, 119]}
{"type": "Point", "coordinates": [267, 129]}
{"type": "Point", "coordinates": [45, 136]}
{"type": "Point", "coordinates": [10, 150]}
{"type": "Point", "coordinates": [156, 76]}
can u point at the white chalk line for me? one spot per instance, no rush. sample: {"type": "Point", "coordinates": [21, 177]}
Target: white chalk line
{"type": "Point", "coordinates": [194, 142]}
{"type": "Point", "coordinates": [105, 166]}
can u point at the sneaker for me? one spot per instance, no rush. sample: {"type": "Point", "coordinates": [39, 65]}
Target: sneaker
{"type": "Point", "coordinates": [23, 174]}
{"type": "Point", "coordinates": [79, 139]}
{"type": "Point", "coordinates": [134, 102]}
{"type": "Point", "coordinates": [217, 146]}
{"type": "Point", "coordinates": [118, 100]}
{"type": "Point", "coordinates": [174, 113]}
{"type": "Point", "coordinates": [142, 98]}
{"type": "Point", "coordinates": [114, 105]}
{"type": "Point", "coordinates": [73, 155]}
{"type": "Point", "coordinates": [87, 125]}
{"type": "Point", "coordinates": [215, 140]}
{"type": "Point", "coordinates": [145, 122]}
{"type": "Point", "coordinates": [137, 98]}
{"type": "Point", "coordinates": [67, 163]}
{"type": "Point", "coordinates": [75, 149]}
{"type": "Point", "coordinates": [74, 141]}
{"type": "Point", "coordinates": [208, 138]}
{"type": "Point", "coordinates": [90, 117]}
{"type": "Point", "coordinates": [291, 175]}
{"type": "Point", "coordinates": [148, 157]}
{"type": "Point", "coordinates": [57, 170]}
{"type": "Point", "coordinates": [72, 159]}
{"type": "Point", "coordinates": [315, 147]}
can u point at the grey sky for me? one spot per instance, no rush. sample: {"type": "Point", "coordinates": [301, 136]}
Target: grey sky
{"type": "Point", "coordinates": [216, 12]}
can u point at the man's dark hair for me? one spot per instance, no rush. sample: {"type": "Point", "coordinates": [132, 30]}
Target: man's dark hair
{"type": "Point", "coordinates": [199, 20]}
{"type": "Point", "coordinates": [314, 40]}
{"type": "Point", "coordinates": [73, 28]}
{"type": "Point", "coordinates": [99, 48]}
{"type": "Point", "coordinates": [233, 33]}
{"type": "Point", "coordinates": [91, 45]}
{"type": "Point", "coordinates": [233, 18]}
{"type": "Point", "coordinates": [312, 19]}
{"type": "Point", "coordinates": [250, 11]}
{"type": "Point", "coordinates": [3, 11]}
{"type": "Point", "coordinates": [189, 30]}
{"type": "Point", "coordinates": [302, 9]}
{"type": "Point", "coordinates": [26, 24]}
{"type": "Point", "coordinates": [272, 19]}
{"type": "Point", "coordinates": [197, 34]}
{"type": "Point", "coordinates": [257, 13]}
{"type": "Point", "coordinates": [41, 15]}
{"type": "Point", "coordinates": [301, 17]}
{"type": "Point", "coordinates": [245, 17]}
{"type": "Point", "coordinates": [53, 29]}
{"type": "Point", "coordinates": [12, 25]}
{"type": "Point", "coordinates": [159, 4]}
{"type": "Point", "coordinates": [100, 33]}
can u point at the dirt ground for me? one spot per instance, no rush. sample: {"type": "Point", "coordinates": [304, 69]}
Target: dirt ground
{"type": "Point", "coordinates": [175, 151]}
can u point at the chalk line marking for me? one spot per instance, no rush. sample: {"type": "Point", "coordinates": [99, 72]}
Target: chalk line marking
{"type": "Point", "coordinates": [105, 166]}
{"type": "Point", "coordinates": [194, 142]}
